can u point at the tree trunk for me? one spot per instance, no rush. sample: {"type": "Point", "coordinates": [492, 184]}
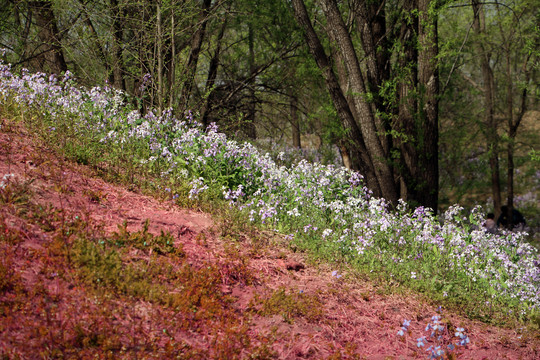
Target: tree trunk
{"type": "Point", "coordinates": [512, 131]}
{"type": "Point", "coordinates": [489, 93]}
{"type": "Point", "coordinates": [97, 44]}
{"type": "Point", "coordinates": [53, 60]}
{"type": "Point", "coordinates": [513, 126]}
{"type": "Point", "coordinates": [366, 115]}
{"type": "Point", "coordinates": [513, 121]}
{"type": "Point", "coordinates": [193, 59]}
{"type": "Point", "coordinates": [428, 79]}
{"type": "Point", "coordinates": [172, 75]}
{"type": "Point", "coordinates": [117, 40]}
{"type": "Point", "coordinates": [249, 125]}
{"type": "Point", "coordinates": [212, 74]}
{"type": "Point", "coordinates": [372, 27]}
{"type": "Point", "coordinates": [23, 31]}
{"type": "Point", "coordinates": [406, 123]}
{"type": "Point", "coordinates": [295, 122]}
{"type": "Point", "coordinates": [362, 161]}
{"type": "Point", "coordinates": [159, 43]}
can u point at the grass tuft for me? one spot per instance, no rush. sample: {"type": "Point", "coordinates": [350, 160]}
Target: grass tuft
{"type": "Point", "coordinates": [143, 240]}
{"type": "Point", "coordinates": [290, 304]}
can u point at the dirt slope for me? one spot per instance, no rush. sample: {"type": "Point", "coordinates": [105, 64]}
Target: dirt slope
{"type": "Point", "coordinates": [268, 302]}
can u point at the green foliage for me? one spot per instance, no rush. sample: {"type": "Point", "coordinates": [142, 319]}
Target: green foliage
{"type": "Point", "coordinates": [14, 191]}
{"type": "Point", "coordinates": [290, 305]}
{"type": "Point", "coordinates": [143, 240]}
{"type": "Point", "coordinates": [99, 265]}
{"type": "Point", "coordinates": [508, 35]}
{"type": "Point", "coordinates": [535, 156]}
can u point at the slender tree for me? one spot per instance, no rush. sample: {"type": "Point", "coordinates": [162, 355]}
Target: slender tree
{"type": "Point", "coordinates": [490, 124]}
{"type": "Point", "coordinates": [428, 84]}
{"type": "Point", "coordinates": [212, 73]}
{"type": "Point", "coordinates": [196, 44]}
{"type": "Point", "coordinates": [295, 122]}
{"type": "Point", "coordinates": [514, 112]}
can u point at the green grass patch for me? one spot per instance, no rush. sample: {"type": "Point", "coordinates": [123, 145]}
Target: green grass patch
{"type": "Point", "coordinates": [290, 304]}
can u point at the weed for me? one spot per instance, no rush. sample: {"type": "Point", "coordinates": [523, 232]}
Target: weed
{"type": "Point", "coordinates": [199, 292]}
{"type": "Point", "coordinates": [9, 279]}
{"type": "Point", "coordinates": [14, 191]}
{"type": "Point", "coordinates": [290, 305]}
{"type": "Point", "coordinates": [45, 216]}
{"type": "Point", "coordinates": [95, 196]}
{"type": "Point", "coordinates": [234, 341]}
{"type": "Point", "coordinates": [194, 291]}
{"type": "Point", "coordinates": [235, 269]}
{"type": "Point", "coordinates": [8, 233]}
{"type": "Point", "coordinates": [98, 265]}
{"type": "Point", "coordinates": [143, 240]}
{"type": "Point", "coordinates": [365, 296]}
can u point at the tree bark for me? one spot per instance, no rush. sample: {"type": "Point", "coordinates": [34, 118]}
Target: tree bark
{"type": "Point", "coordinates": [295, 122]}
{"type": "Point", "coordinates": [375, 44]}
{"type": "Point", "coordinates": [159, 44]}
{"type": "Point", "coordinates": [406, 123]}
{"type": "Point", "coordinates": [118, 35]}
{"type": "Point", "coordinates": [362, 161]}
{"type": "Point", "coordinates": [428, 81]}
{"type": "Point", "coordinates": [193, 59]}
{"type": "Point", "coordinates": [249, 125]}
{"type": "Point", "coordinates": [489, 93]}
{"type": "Point", "coordinates": [53, 59]}
{"type": "Point", "coordinates": [212, 75]}
{"type": "Point", "coordinates": [366, 115]}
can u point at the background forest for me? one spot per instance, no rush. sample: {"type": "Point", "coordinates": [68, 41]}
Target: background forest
{"type": "Point", "coordinates": [435, 102]}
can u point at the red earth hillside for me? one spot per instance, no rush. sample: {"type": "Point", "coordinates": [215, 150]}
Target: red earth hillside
{"type": "Point", "coordinates": [89, 271]}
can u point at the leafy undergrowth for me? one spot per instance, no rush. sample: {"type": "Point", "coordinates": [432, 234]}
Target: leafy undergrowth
{"type": "Point", "coordinates": [93, 270]}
